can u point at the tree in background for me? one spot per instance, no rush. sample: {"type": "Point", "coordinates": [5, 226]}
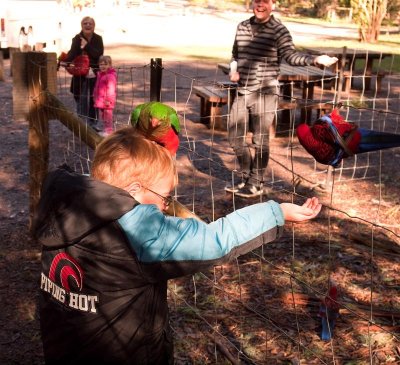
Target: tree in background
{"type": "Point", "coordinates": [369, 14]}
{"type": "Point", "coordinates": [318, 8]}
{"type": "Point", "coordinates": [322, 7]}
{"type": "Point", "coordinates": [290, 5]}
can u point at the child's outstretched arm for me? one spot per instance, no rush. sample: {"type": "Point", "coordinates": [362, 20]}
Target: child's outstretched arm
{"type": "Point", "coordinates": [185, 246]}
{"type": "Point", "coordinates": [301, 213]}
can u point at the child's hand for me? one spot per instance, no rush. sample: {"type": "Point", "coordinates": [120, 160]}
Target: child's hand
{"type": "Point", "coordinates": [297, 213]}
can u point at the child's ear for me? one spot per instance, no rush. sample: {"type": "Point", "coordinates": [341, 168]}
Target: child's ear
{"type": "Point", "coordinates": [134, 188]}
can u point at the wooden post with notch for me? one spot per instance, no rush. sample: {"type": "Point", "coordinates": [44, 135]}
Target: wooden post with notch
{"type": "Point", "coordinates": [39, 70]}
{"type": "Point", "coordinates": [1, 66]}
{"type": "Point", "coordinates": [38, 137]}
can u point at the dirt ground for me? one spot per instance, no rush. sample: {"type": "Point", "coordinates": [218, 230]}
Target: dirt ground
{"type": "Point", "coordinates": [274, 322]}
{"type": "Point", "coordinates": [19, 258]}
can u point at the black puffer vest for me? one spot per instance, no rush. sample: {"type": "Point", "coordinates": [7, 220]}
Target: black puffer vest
{"type": "Point", "coordinates": [96, 305]}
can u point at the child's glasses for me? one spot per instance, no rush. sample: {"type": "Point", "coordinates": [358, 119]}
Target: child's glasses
{"type": "Point", "coordinates": [167, 200]}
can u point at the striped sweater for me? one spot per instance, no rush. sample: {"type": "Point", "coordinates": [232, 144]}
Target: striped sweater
{"type": "Point", "coordinates": [259, 49]}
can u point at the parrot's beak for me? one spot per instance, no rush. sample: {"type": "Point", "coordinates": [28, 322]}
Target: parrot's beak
{"type": "Point", "coordinates": [154, 122]}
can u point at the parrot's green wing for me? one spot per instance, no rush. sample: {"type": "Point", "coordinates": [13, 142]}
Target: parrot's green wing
{"type": "Point", "coordinates": [136, 113]}
{"type": "Point", "coordinates": [173, 118]}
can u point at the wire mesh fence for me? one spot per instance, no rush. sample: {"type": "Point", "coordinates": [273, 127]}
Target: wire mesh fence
{"type": "Point", "coordinates": [265, 308]}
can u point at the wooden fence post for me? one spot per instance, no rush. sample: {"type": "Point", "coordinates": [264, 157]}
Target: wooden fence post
{"type": "Point", "coordinates": [85, 133]}
{"type": "Point", "coordinates": [46, 77]}
{"type": "Point", "coordinates": [12, 51]}
{"type": "Point", "coordinates": [342, 69]}
{"type": "Point", "coordinates": [20, 86]}
{"type": "Point", "coordinates": [1, 66]}
{"type": "Point", "coordinates": [155, 79]}
{"type": "Point", "coordinates": [39, 80]}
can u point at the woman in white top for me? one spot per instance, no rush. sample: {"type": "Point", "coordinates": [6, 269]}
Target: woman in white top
{"type": "Point", "coordinates": [23, 40]}
{"type": "Point", "coordinates": [31, 39]}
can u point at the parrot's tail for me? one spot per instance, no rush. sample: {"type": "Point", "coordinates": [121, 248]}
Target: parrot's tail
{"type": "Point", "coordinates": [374, 140]}
{"type": "Point", "coordinates": [327, 329]}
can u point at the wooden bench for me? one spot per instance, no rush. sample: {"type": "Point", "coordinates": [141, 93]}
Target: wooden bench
{"type": "Point", "coordinates": [286, 107]}
{"type": "Point", "coordinates": [348, 78]}
{"type": "Point", "coordinates": [320, 107]}
{"type": "Point", "coordinates": [212, 99]}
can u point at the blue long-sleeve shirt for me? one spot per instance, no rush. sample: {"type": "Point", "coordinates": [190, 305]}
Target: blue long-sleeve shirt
{"type": "Point", "coordinates": [156, 237]}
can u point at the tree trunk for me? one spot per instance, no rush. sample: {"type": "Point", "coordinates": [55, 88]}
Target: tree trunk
{"type": "Point", "coordinates": [369, 15]}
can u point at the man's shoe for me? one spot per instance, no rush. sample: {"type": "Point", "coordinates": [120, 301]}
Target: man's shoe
{"type": "Point", "coordinates": [249, 191]}
{"type": "Point", "coordinates": [234, 188]}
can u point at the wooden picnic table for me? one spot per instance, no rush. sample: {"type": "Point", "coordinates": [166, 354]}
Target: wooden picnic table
{"type": "Point", "coordinates": [351, 55]}
{"type": "Point", "coordinates": [306, 76]}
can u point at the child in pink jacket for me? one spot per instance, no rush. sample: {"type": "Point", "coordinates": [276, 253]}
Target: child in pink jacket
{"type": "Point", "coordinates": [104, 94]}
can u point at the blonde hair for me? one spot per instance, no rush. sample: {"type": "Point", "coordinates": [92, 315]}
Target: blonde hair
{"type": "Point", "coordinates": [126, 156]}
{"type": "Point", "coordinates": [106, 59]}
{"type": "Point", "coordinates": [86, 18]}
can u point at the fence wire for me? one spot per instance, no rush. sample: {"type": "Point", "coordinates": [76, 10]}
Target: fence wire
{"type": "Point", "coordinates": [265, 307]}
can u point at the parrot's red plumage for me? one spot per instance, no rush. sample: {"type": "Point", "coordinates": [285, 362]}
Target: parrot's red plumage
{"type": "Point", "coordinates": [170, 141]}
{"type": "Point", "coordinates": [329, 312]}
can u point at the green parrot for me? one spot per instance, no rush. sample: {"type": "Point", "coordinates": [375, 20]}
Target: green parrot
{"type": "Point", "coordinates": [158, 122]}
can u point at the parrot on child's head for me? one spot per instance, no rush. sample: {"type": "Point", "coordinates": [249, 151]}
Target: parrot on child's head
{"type": "Point", "coordinates": [159, 123]}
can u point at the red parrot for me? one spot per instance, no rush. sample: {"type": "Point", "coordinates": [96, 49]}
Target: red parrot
{"type": "Point", "coordinates": [329, 312]}
{"type": "Point", "coordinates": [322, 139]}
{"type": "Point", "coordinates": [158, 122]}
{"type": "Point", "coordinates": [331, 138]}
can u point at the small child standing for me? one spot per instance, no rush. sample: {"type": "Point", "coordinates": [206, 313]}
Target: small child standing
{"type": "Point", "coordinates": [104, 94]}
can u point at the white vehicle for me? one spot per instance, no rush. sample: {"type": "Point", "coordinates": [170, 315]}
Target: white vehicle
{"type": "Point", "coordinates": [43, 17]}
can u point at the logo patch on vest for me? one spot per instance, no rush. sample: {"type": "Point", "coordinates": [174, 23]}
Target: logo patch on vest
{"type": "Point", "coordinates": [65, 272]}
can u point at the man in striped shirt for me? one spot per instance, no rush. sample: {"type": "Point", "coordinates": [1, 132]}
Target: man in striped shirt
{"type": "Point", "coordinates": [261, 43]}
